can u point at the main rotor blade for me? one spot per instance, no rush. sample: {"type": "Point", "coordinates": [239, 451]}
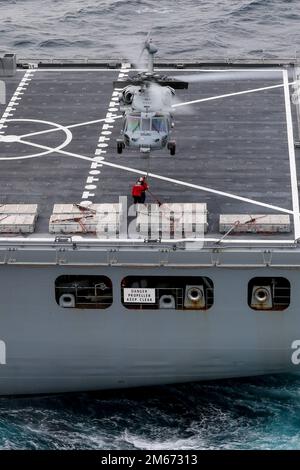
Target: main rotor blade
{"type": "Point", "coordinates": [231, 75]}
{"type": "Point", "coordinates": [176, 84]}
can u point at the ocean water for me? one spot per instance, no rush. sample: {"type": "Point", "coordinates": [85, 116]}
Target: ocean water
{"type": "Point", "coordinates": [257, 413]}
{"type": "Point", "coordinates": [181, 28]}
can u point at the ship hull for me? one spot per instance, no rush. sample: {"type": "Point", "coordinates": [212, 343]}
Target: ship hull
{"type": "Point", "coordinates": [54, 349]}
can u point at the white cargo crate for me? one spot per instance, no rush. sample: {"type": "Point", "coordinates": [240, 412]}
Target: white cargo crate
{"type": "Point", "coordinates": [105, 222]}
{"type": "Point", "coordinates": [18, 218]}
{"type": "Point", "coordinates": [17, 223]}
{"type": "Point", "coordinates": [173, 217]}
{"type": "Point", "coordinates": [92, 208]}
{"type": "Point", "coordinates": [255, 223]}
{"type": "Point", "coordinates": [18, 209]}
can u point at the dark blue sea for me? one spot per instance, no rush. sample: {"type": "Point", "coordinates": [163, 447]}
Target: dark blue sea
{"type": "Point", "coordinates": [256, 413]}
{"type": "Point", "coordinates": [260, 413]}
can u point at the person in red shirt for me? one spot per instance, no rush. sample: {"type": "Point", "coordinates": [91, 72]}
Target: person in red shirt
{"type": "Point", "coordinates": [139, 190]}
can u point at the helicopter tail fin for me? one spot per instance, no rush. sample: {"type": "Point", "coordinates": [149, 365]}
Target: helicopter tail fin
{"type": "Point", "coordinates": [146, 43]}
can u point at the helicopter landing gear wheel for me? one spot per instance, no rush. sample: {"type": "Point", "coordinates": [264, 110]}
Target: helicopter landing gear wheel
{"type": "Point", "coordinates": [120, 147]}
{"type": "Point", "coordinates": [172, 147]}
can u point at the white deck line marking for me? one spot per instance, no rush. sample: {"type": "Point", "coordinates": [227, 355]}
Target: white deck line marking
{"type": "Point", "coordinates": [254, 90]}
{"type": "Point", "coordinates": [103, 140]}
{"type": "Point", "coordinates": [233, 241]}
{"type": "Point", "coordinates": [10, 107]}
{"type": "Point", "coordinates": [96, 121]}
{"type": "Point", "coordinates": [157, 69]}
{"type": "Point", "coordinates": [132, 241]}
{"type": "Point", "coordinates": [163, 178]}
{"type": "Point", "coordinates": [292, 156]}
{"type": "Point", "coordinates": [66, 142]}
{"type": "Point", "coordinates": [80, 124]}
{"type": "Point", "coordinates": [230, 94]}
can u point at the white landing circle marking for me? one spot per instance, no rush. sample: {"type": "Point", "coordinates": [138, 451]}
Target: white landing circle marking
{"type": "Point", "coordinates": [14, 138]}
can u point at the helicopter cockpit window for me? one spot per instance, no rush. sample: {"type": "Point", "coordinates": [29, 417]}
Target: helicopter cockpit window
{"type": "Point", "coordinates": [146, 124]}
{"type": "Point", "coordinates": [159, 125]}
{"type": "Point", "coordinates": [133, 123]}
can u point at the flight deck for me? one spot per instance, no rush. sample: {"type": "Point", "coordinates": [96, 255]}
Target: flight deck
{"type": "Point", "coordinates": [235, 146]}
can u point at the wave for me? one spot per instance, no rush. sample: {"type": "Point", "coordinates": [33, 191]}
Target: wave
{"type": "Point", "coordinates": [103, 7]}
{"type": "Point", "coordinates": [64, 43]}
{"type": "Point", "coordinates": [234, 28]}
{"type": "Point", "coordinates": [260, 413]}
{"type": "Point", "coordinates": [253, 6]}
{"type": "Point", "coordinates": [23, 43]}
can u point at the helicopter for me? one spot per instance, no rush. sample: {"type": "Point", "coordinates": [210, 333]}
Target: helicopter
{"type": "Point", "coordinates": [146, 101]}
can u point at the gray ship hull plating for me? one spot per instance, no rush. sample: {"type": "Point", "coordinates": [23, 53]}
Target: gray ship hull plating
{"type": "Point", "coordinates": [50, 349]}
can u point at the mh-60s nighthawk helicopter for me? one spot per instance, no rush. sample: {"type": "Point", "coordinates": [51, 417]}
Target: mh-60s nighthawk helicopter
{"type": "Point", "coordinates": [146, 102]}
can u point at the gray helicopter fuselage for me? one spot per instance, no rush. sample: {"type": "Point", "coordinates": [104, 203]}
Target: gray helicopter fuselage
{"type": "Point", "coordinates": [146, 130]}
{"type": "Point", "coordinates": [148, 117]}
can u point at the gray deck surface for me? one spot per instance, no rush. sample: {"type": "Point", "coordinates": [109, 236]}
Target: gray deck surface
{"type": "Point", "coordinates": [237, 144]}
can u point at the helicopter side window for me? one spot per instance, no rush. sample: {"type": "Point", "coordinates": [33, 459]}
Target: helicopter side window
{"type": "Point", "coordinates": [146, 124]}
{"type": "Point", "coordinates": [133, 124]}
{"type": "Point", "coordinates": [159, 125]}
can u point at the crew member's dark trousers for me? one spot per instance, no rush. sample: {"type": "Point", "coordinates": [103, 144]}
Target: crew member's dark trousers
{"type": "Point", "coordinates": [139, 199]}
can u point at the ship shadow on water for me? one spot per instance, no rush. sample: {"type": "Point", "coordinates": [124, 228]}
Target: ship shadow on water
{"type": "Point", "coordinates": [255, 413]}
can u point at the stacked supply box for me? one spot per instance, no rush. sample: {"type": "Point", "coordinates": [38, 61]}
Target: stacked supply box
{"type": "Point", "coordinates": [18, 218]}
{"type": "Point", "coordinates": [102, 220]}
{"type": "Point", "coordinates": [174, 219]}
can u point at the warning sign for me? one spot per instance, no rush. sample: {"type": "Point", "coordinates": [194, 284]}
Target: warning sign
{"type": "Point", "coordinates": [139, 296]}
